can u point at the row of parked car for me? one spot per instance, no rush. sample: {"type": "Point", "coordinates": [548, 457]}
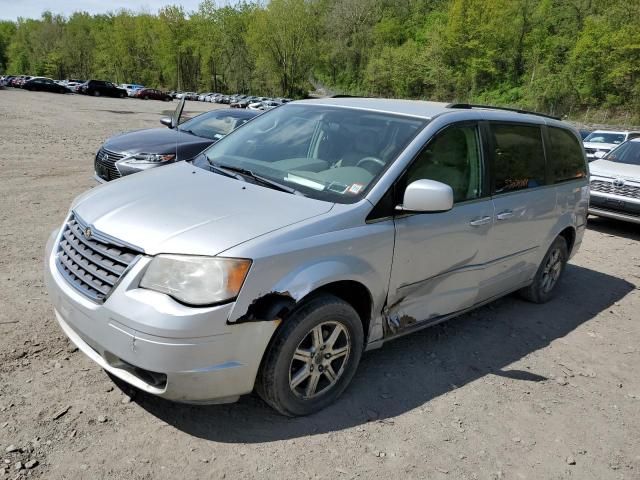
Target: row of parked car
{"type": "Point", "coordinates": [109, 89]}
{"type": "Point", "coordinates": [234, 101]}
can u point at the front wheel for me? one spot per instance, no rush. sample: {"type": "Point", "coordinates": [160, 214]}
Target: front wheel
{"type": "Point", "coordinates": [312, 358]}
{"type": "Point", "coordinates": [549, 272]}
{"type": "Point", "coordinates": [96, 93]}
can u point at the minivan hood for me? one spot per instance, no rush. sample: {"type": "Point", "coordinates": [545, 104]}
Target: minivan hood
{"type": "Point", "coordinates": [185, 209]}
{"type": "Point", "coordinates": [154, 140]}
{"type": "Point", "coordinates": [605, 168]}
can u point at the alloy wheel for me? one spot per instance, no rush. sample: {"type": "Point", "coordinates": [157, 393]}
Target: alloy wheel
{"type": "Point", "coordinates": [551, 271]}
{"type": "Point", "coordinates": [319, 360]}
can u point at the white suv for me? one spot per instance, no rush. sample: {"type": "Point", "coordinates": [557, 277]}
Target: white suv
{"type": "Point", "coordinates": [600, 142]}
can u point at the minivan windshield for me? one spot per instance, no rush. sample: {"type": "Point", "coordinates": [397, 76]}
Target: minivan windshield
{"type": "Point", "coordinates": [328, 153]}
{"type": "Point", "coordinates": [604, 137]}
{"type": "Point", "coordinates": [628, 152]}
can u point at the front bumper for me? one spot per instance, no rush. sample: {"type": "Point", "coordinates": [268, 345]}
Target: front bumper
{"type": "Point", "coordinates": [614, 206]}
{"type": "Point", "coordinates": [156, 344]}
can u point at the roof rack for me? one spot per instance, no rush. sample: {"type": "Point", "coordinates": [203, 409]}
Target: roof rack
{"type": "Point", "coordinates": [515, 110]}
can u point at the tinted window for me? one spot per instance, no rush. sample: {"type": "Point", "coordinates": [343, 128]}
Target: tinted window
{"type": "Point", "coordinates": [452, 157]}
{"type": "Point", "coordinates": [518, 157]}
{"type": "Point", "coordinates": [566, 161]}
{"type": "Point", "coordinates": [628, 152]}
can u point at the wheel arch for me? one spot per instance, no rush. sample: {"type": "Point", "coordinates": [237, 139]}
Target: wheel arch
{"type": "Point", "coordinates": [278, 306]}
{"type": "Point", "coordinates": [569, 235]}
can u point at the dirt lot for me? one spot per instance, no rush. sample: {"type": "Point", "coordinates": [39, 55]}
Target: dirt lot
{"type": "Point", "coordinates": [513, 391]}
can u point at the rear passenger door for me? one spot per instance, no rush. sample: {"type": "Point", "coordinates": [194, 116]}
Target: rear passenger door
{"type": "Point", "coordinates": [525, 207]}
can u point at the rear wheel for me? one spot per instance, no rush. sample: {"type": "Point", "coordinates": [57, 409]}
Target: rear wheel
{"type": "Point", "coordinates": [312, 358]}
{"type": "Point", "coordinates": [549, 272]}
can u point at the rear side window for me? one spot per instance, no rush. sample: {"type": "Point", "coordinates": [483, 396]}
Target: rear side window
{"type": "Point", "coordinates": [519, 162]}
{"type": "Point", "coordinates": [566, 161]}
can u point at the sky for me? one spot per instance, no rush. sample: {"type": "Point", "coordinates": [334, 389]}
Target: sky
{"type": "Point", "coordinates": [12, 9]}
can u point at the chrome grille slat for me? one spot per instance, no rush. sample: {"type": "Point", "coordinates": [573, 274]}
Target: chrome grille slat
{"type": "Point", "coordinates": [77, 271]}
{"type": "Point", "coordinates": [95, 245]}
{"type": "Point", "coordinates": [608, 187]}
{"type": "Point", "coordinates": [91, 265]}
{"type": "Point", "coordinates": [84, 263]}
{"type": "Point", "coordinates": [85, 252]}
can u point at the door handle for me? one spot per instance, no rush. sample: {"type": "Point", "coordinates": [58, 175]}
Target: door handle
{"type": "Point", "coordinates": [504, 215]}
{"type": "Point", "coordinates": [480, 221]}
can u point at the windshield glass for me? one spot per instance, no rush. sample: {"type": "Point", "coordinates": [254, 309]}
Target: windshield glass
{"type": "Point", "coordinates": [328, 153]}
{"type": "Point", "coordinates": [628, 152]}
{"type": "Point", "coordinates": [604, 137]}
{"type": "Point", "coordinates": [213, 125]}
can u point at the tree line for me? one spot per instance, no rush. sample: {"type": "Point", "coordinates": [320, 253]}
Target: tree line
{"type": "Point", "coordinates": [556, 56]}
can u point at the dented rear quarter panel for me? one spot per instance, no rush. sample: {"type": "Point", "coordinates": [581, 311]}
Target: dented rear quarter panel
{"type": "Point", "coordinates": [293, 262]}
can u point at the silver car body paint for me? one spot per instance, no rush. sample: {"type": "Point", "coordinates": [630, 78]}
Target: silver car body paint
{"type": "Point", "coordinates": [441, 265]}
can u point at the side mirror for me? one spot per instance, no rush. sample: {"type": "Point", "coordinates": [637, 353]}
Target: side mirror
{"type": "Point", "coordinates": [166, 121]}
{"type": "Point", "coordinates": [175, 118]}
{"type": "Point", "coordinates": [600, 154]}
{"type": "Point", "coordinates": [427, 196]}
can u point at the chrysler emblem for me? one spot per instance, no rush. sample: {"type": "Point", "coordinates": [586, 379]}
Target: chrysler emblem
{"type": "Point", "coordinates": [87, 233]}
{"type": "Point", "coordinates": [618, 182]}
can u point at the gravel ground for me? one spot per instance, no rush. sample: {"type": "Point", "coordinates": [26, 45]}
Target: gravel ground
{"type": "Point", "coordinates": [513, 390]}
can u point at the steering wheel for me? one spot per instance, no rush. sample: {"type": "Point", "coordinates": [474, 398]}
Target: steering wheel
{"type": "Point", "coordinates": [373, 160]}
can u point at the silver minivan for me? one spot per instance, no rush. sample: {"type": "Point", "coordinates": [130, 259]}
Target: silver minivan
{"type": "Point", "coordinates": [316, 231]}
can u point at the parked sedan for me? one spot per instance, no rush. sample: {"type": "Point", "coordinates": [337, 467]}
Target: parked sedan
{"type": "Point", "coordinates": [152, 94]}
{"type": "Point", "coordinates": [99, 88]}
{"type": "Point", "coordinates": [615, 183]}
{"type": "Point", "coordinates": [45, 85]}
{"type": "Point", "coordinates": [144, 149]}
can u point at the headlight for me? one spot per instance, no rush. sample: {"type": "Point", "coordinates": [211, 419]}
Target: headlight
{"type": "Point", "coordinates": [196, 280]}
{"type": "Point", "coordinates": [150, 158]}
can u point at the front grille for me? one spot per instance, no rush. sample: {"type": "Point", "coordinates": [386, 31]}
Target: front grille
{"type": "Point", "coordinates": [608, 187]}
{"type": "Point", "coordinates": [93, 265]}
{"type": "Point", "coordinates": [105, 164]}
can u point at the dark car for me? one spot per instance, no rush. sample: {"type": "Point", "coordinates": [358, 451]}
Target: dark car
{"type": "Point", "coordinates": [99, 88]}
{"type": "Point", "coordinates": [45, 85]}
{"type": "Point", "coordinates": [152, 94]}
{"type": "Point", "coordinates": [139, 150]}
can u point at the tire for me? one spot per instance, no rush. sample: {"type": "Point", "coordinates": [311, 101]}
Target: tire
{"type": "Point", "coordinates": [95, 93]}
{"type": "Point", "coordinates": [121, 95]}
{"type": "Point", "coordinates": [323, 313]}
{"type": "Point", "coordinates": [146, 97]}
{"type": "Point", "coordinates": [543, 287]}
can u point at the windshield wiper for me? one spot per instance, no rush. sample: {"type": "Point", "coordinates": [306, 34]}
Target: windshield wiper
{"type": "Point", "coordinates": [257, 178]}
